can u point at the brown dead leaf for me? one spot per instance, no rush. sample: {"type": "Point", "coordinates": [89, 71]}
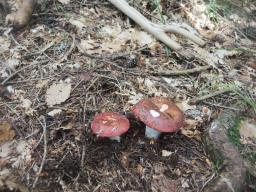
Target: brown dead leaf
{"type": "Point", "coordinates": [41, 84]}
{"type": "Point", "coordinates": [67, 126]}
{"type": "Point", "coordinates": [94, 46]}
{"type": "Point", "coordinates": [197, 16]}
{"type": "Point", "coordinates": [115, 39]}
{"type": "Point", "coordinates": [79, 23]}
{"type": "Point", "coordinates": [222, 53]}
{"type": "Point", "coordinates": [166, 153]}
{"type": "Point", "coordinates": [208, 162]}
{"type": "Point", "coordinates": [140, 169]}
{"type": "Point", "coordinates": [163, 184]}
{"type": "Point", "coordinates": [85, 76]}
{"type": "Point", "coordinates": [190, 124]}
{"type": "Point", "coordinates": [184, 106]}
{"type": "Point", "coordinates": [190, 129]}
{"type": "Point", "coordinates": [252, 63]}
{"type": "Point", "coordinates": [6, 132]}
{"type": "Point", "coordinates": [247, 130]}
{"type": "Point", "coordinates": [55, 113]}
{"type": "Point", "coordinates": [191, 134]}
{"type": "Point", "coordinates": [58, 93]}
{"type": "Point", "coordinates": [6, 92]}
{"type": "Point", "coordinates": [205, 55]}
{"type": "Point", "coordinates": [4, 44]}
{"type": "Point", "coordinates": [125, 160]}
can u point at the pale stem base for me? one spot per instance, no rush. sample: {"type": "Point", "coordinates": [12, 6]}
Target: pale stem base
{"type": "Point", "coordinates": [152, 133]}
{"type": "Point", "coordinates": [117, 138]}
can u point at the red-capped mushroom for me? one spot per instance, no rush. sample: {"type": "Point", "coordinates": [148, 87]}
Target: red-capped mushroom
{"type": "Point", "coordinates": [159, 114]}
{"type": "Point", "coordinates": [110, 124]}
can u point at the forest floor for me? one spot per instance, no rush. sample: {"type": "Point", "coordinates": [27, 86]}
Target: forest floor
{"type": "Point", "coordinates": [79, 58]}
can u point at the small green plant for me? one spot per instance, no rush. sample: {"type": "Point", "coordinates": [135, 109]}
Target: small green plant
{"type": "Point", "coordinates": [242, 93]}
{"type": "Point", "coordinates": [162, 19]}
{"type": "Point", "coordinates": [247, 98]}
{"type": "Point", "coordinates": [159, 10]}
{"type": "Point", "coordinates": [217, 165]}
{"type": "Point", "coordinates": [213, 11]}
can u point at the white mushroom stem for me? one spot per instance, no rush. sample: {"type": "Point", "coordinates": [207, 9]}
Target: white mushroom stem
{"type": "Point", "coordinates": [152, 133]}
{"type": "Point", "coordinates": [158, 31]}
{"type": "Point", "coordinates": [117, 138]}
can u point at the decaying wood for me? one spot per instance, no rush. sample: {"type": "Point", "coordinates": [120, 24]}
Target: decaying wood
{"type": "Point", "coordinates": [232, 175]}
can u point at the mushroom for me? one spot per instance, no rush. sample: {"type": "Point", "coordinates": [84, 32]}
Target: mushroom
{"type": "Point", "coordinates": [159, 114]}
{"type": "Point", "coordinates": [110, 124]}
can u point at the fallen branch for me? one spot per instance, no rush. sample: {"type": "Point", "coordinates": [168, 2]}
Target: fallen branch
{"type": "Point", "coordinates": [158, 31]}
{"type": "Point", "coordinates": [181, 72]}
{"type": "Point", "coordinates": [196, 100]}
{"type": "Point", "coordinates": [45, 152]}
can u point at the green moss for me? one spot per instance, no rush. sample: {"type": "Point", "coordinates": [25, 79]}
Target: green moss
{"type": "Point", "coordinates": [233, 133]}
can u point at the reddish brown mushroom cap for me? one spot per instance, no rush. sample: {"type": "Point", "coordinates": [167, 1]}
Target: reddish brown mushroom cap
{"type": "Point", "coordinates": [109, 124]}
{"type": "Point", "coordinates": [159, 113]}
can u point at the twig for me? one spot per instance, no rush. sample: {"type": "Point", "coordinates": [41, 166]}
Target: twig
{"type": "Point", "coordinates": [83, 155]}
{"type": "Point", "coordinates": [196, 100]}
{"type": "Point", "coordinates": [45, 152]}
{"type": "Point", "coordinates": [208, 181]}
{"type": "Point", "coordinates": [69, 51]}
{"type": "Point", "coordinates": [19, 117]}
{"type": "Point", "coordinates": [18, 71]}
{"type": "Point", "coordinates": [221, 106]}
{"type": "Point", "coordinates": [181, 72]}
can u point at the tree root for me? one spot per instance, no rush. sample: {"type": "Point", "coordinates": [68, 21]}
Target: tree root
{"type": "Point", "coordinates": [158, 31]}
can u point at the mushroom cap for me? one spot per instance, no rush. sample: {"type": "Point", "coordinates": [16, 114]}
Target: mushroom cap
{"type": "Point", "coordinates": [109, 124]}
{"type": "Point", "coordinates": [159, 113]}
